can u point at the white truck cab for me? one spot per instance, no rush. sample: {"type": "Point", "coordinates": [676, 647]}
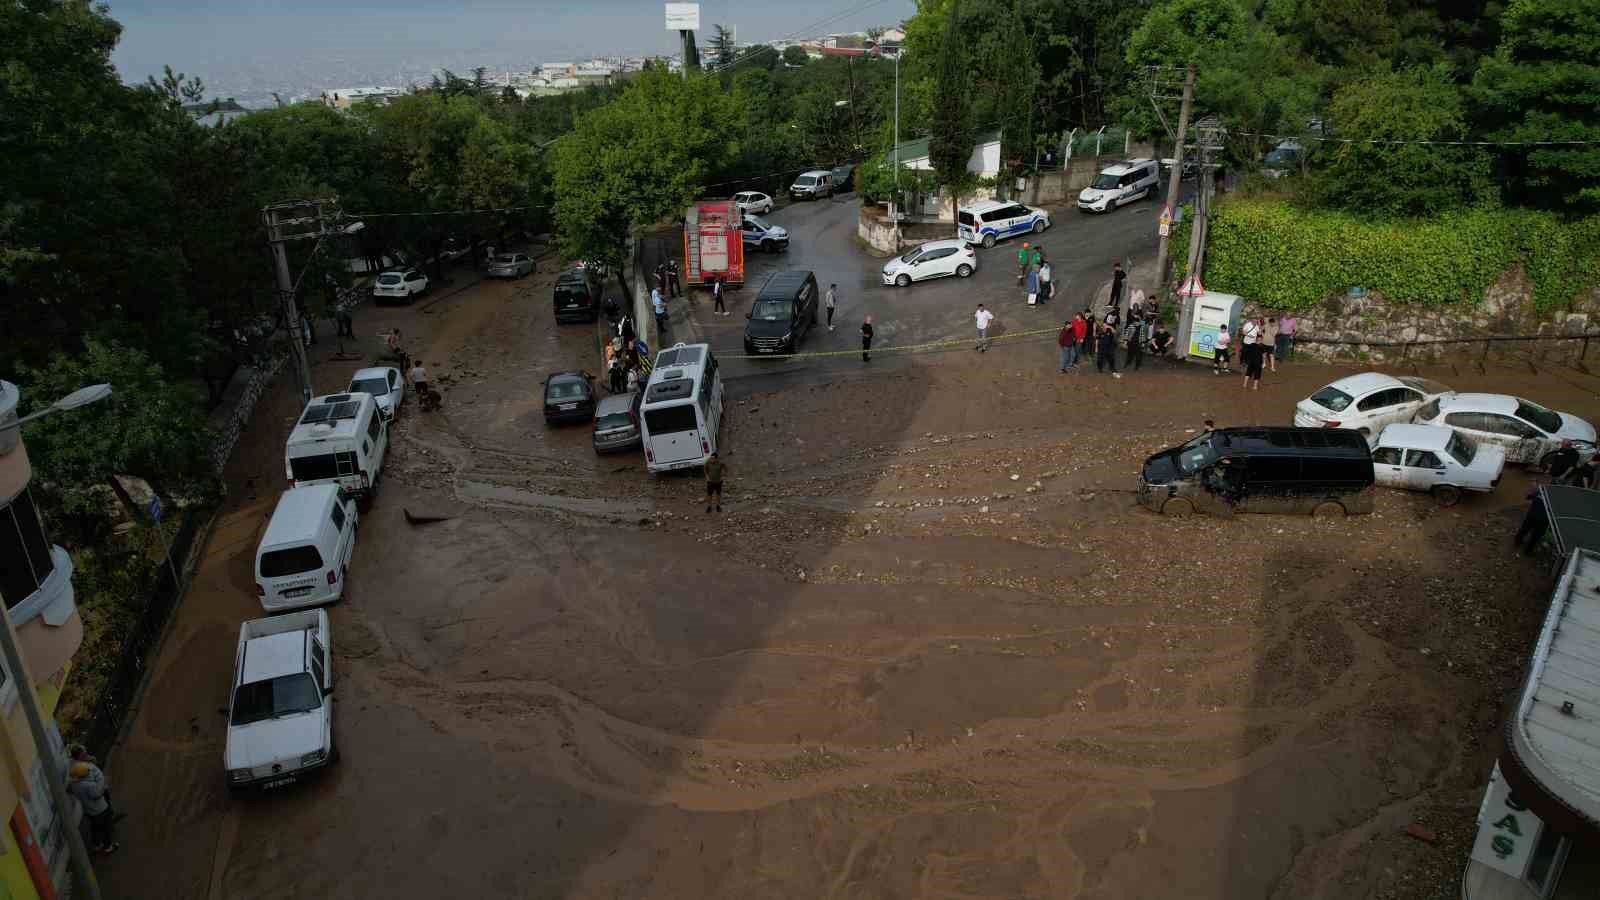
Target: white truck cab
{"type": "Point", "coordinates": [280, 717]}
{"type": "Point", "coordinates": [1435, 459]}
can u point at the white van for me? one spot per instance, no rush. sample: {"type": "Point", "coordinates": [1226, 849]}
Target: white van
{"type": "Point", "coordinates": [302, 558]}
{"type": "Point", "coordinates": [280, 716]}
{"type": "Point", "coordinates": [811, 185]}
{"type": "Point", "coordinates": [340, 439]}
{"type": "Point", "coordinates": [682, 408]}
{"type": "Point", "coordinates": [1121, 183]}
{"type": "Point", "coordinates": [988, 221]}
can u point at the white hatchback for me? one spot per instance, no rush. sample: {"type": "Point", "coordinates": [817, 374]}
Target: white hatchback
{"type": "Point", "coordinates": [1437, 460]}
{"type": "Point", "coordinates": [935, 259]}
{"type": "Point", "coordinates": [753, 203]}
{"type": "Point", "coordinates": [385, 386]}
{"type": "Point", "coordinates": [1366, 402]}
{"type": "Point", "coordinates": [1528, 432]}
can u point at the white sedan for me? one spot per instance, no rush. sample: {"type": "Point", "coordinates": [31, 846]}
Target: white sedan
{"type": "Point", "coordinates": [385, 386]}
{"type": "Point", "coordinates": [1528, 432]}
{"type": "Point", "coordinates": [1366, 402]}
{"type": "Point", "coordinates": [400, 284]}
{"type": "Point", "coordinates": [753, 203]}
{"type": "Point", "coordinates": [1438, 460]}
{"type": "Point", "coordinates": [935, 259]}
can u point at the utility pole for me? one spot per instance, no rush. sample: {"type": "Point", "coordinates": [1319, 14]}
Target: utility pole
{"type": "Point", "coordinates": [1175, 180]}
{"type": "Point", "coordinates": [894, 205]}
{"type": "Point", "coordinates": [292, 220]}
{"type": "Point", "coordinates": [855, 123]}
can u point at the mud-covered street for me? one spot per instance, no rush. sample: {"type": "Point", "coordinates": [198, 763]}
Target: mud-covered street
{"type": "Point", "coordinates": [932, 647]}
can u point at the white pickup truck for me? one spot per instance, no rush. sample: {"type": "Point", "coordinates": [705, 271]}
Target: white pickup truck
{"type": "Point", "coordinates": [280, 719]}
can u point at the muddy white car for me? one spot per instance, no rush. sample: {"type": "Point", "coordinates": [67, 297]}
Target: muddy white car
{"type": "Point", "coordinates": [1438, 460]}
{"type": "Point", "coordinates": [1528, 432]}
{"type": "Point", "coordinates": [280, 718]}
{"type": "Point", "coordinates": [1366, 402]}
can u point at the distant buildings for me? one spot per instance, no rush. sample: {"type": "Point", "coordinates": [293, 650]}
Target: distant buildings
{"type": "Point", "coordinates": [344, 98]}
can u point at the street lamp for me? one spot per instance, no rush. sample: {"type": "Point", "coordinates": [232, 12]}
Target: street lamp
{"type": "Point", "coordinates": [82, 872]}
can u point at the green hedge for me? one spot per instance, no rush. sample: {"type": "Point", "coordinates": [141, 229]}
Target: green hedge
{"type": "Point", "coordinates": [1284, 256]}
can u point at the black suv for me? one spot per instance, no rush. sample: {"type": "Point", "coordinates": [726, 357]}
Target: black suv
{"type": "Point", "coordinates": [577, 296]}
{"type": "Point", "coordinates": [784, 310]}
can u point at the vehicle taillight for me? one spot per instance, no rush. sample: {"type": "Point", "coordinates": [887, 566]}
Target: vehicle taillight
{"type": "Point", "coordinates": [333, 576]}
{"type": "Point", "coordinates": [260, 591]}
{"type": "Point", "coordinates": [365, 483]}
{"type": "Point", "coordinates": [648, 456]}
{"type": "Point", "coordinates": [705, 447]}
{"type": "Point", "coordinates": [1331, 423]}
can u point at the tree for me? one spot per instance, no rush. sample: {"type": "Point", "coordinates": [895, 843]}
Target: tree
{"type": "Point", "coordinates": [1543, 84]}
{"type": "Point", "coordinates": [639, 160]}
{"type": "Point", "coordinates": [951, 144]}
{"type": "Point", "coordinates": [1417, 104]}
{"type": "Point", "coordinates": [150, 427]}
{"type": "Point", "coordinates": [795, 55]}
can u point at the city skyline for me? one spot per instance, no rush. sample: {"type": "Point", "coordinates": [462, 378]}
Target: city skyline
{"type": "Point", "coordinates": [298, 49]}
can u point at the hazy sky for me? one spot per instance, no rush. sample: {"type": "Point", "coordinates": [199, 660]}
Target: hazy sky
{"type": "Point", "coordinates": [241, 47]}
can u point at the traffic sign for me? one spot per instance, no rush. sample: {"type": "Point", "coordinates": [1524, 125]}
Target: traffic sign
{"type": "Point", "coordinates": [1166, 227]}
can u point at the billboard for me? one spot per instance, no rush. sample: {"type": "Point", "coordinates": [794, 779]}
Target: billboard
{"type": "Point", "coordinates": [683, 17]}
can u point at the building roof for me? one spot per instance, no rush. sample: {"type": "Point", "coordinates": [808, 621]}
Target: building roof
{"type": "Point", "coordinates": [1556, 730]}
{"type": "Point", "coordinates": [911, 151]}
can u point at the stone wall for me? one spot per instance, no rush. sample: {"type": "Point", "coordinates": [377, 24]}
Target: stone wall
{"type": "Point", "coordinates": [1357, 327]}
{"type": "Point", "coordinates": [876, 229]}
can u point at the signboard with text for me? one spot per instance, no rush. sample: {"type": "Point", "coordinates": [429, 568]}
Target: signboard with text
{"type": "Point", "coordinates": [1507, 831]}
{"type": "Point", "coordinates": [683, 17]}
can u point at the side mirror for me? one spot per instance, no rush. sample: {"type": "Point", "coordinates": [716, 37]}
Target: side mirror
{"type": "Point", "coordinates": [327, 691]}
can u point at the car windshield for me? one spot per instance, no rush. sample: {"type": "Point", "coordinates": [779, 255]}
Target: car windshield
{"type": "Point", "coordinates": [1462, 448]}
{"type": "Point", "coordinates": [772, 310]}
{"type": "Point", "coordinates": [374, 386]}
{"type": "Point", "coordinates": [1197, 454]}
{"type": "Point", "coordinates": [275, 698]}
{"type": "Point", "coordinates": [906, 256]}
{"type": "Point", "coordinates": [566, 389]}
{"type": "Point", "coordinates": [805, 180]}
{"type": "Point", "coordinates": [1105, 181]}
{"type": "Point", "coordinates": [614, 420]}
{"type": "Point", "coordinates": [389, 279]}
{"type": "Point", "coordinates": [505, 258]}
{"type": "Point", "coordinates": [1332, 398]}
{"type": "Point", "coordinates": [1542, 418]}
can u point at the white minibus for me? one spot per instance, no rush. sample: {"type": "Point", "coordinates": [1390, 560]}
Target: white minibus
{"type": "Point", "coordinates": [340, 439]}
{"type": "Point", "coordinates": [682, 408]}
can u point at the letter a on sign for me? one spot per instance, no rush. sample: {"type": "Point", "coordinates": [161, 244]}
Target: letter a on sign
{"type": "Point", "coordinates": [1509, 824]}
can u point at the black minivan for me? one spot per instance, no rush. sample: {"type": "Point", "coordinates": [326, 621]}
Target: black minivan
{"type": "Point", "coordinates": [577, 297]}
{"type": "Point", "coordinates": [1322, 471]}
{"type": "Point", "coordinates": [784, 311]}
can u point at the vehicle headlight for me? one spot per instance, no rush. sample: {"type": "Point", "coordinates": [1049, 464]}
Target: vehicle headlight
{"type": "Point", "coordinates": [314, 757]}
{"type": "Point", "coordinates": [239, 774]}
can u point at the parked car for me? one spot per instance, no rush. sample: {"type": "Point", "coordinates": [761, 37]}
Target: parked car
{"type": "Point", "coordinates": [784, 311]}
{"type": "Point", "coordinates": [400, 284]}
{"type": "Point", "coordinates": [280, 713]}
{"type": "Point", "coordinates": [1120, 183]}
{"type": "Point", "coordinates": [987, 221]}
{"type": "Point", "coordinates": [811, 185]}
{"type": "Point", "coordinates": [569, 397]}
{"type": "Point", "coordinates": [934, 259]}
{"type": "Point", "coordinates": [384, 384]}
{"type": "Point", "coordinates": [768, 238]}
{"type": "Point", "coordinates": [577, 295]}
{"type": "Point", "coordinates": [753, 202]}
{"type": "Point", "coordinates": [616, 423]}
{"type": "Point", "coordinates": [1438, 460]}
{"type": "Point", "coordinates": [1366, 402]}
{"type": "Point", "coordinates": [510, 265]}
{"type": "Point", "coordinates": [1528, 432]}
{"type": "Point", "coordinates": [1282, 160]}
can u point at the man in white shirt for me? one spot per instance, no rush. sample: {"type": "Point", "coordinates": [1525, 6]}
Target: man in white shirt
{"type": "Point", "coordinates": [1250, 332]}
{"type": "Point", "coordinates": [1046, 289]}
{"type": "Point", "coordinates": [983, 317]}
{"type": "Point", "coordinates": [419, 378]}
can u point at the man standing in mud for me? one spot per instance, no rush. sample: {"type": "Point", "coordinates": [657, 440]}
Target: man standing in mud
{"type": "Point", "coordinates": [713, 483]}
{"type": "Point", "coordinates": [866, 339]}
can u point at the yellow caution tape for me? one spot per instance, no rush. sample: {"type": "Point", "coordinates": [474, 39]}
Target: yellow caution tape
{"type": "Point", "coordinates": [907, 348]}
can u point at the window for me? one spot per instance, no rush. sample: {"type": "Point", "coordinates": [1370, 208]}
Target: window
{"type": "Point", "coordinates": [281, 696]}
{"type": "Point", "coordinates": [1423, 459]}
{"type": "Point", "coordinates": [24, 550]}
{"type": "Point", "coordinates": [323, 467]}
{"type": "Point", "coordinates": [1471, 421]}
{"type": "Point", "coordinates": [338, 517]}
{"type": "Point", "coordinates": [1539, 416]}
{"type": "Point", "coordinates": [290, 561]}
{"type": "Point", "coordinates": [1544, 867]}
{"type": "Point", "coordinates": [1273, 469]}
{"type": "Point", "coordinates": [374, 426]}
{"type": "Point", "coordinates": [1386, 456]}
{"type": "Point", "coordinates": [1428, 412]}
{"type": "Point", "coordinates": [671, 420]}
{"type": "Point", "coordinates": [1377, 400]}
{"type": "Point", "coordinates": [1332, 398]}
{"type": "Point", "coordinates": [1498, 424]}
{"type": "Point", "coordinates": [1463, 449]}
{"type": "Point", "coordinates": [317, 674]}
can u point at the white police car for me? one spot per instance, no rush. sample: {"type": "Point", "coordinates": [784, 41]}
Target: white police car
{"type": "Point", "coordinates": [768, 238]}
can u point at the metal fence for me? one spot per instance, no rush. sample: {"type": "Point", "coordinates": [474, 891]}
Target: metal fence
{"type": "Point", "coordinates": [120, 689]}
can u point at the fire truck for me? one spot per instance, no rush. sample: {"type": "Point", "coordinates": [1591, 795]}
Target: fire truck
{"type": "Point", "coordinates": [712, 244]}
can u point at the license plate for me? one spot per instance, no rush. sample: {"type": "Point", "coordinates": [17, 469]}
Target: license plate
{"type": "Point", "coordinates": [766, 349]}
{"type": "Point", "coordinates": [572, 306]}
{"type": "Point", "coordinates": [569, 406]}
{"type": "Point", "coordinates": [295, 592]}
{"type": "Point", "coordinates": [278, 782]}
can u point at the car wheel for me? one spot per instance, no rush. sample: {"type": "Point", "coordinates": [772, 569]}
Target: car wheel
{"type": "Point", "coordinates": [902, 281]}
{"type": "Point", "coordinates": [1328, 509]}
{"type": "Point", "coordinates": [1038, 227]}
{"type": "Point", "coordinates": [963, 270]}
{"type": "Point", "coordinates": [988, 241]}
{"type": "Point", "coordinates": [1178, 507]}
{"type": "Point", "coordinates": [769, 247]}
{"type": "Point", "coordinates": [1364, 431]}
{"type": "Point", "coordinates": [1446, 494]}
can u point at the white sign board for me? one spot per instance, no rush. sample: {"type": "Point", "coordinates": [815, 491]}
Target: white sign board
{"type": "Point", "coordinates": [683, 17]}
{"type": "Point", "coordinates": [1507, 831]}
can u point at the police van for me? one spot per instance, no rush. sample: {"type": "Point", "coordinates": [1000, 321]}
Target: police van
{"type": "Point", "coordinates": [988, 221]}
{"type": "Point", "coordinates": [682, 409]}
{"type": "Point", "coordinates": [340, 439]}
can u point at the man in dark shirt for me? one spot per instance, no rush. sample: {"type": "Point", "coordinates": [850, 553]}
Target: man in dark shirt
{"type": "Point", "coordinates": [866, 340]}
{"type": "Point", "coordinates": [1582, 475]}
{"type": "Point", "coordinates": [713, 483]}
{"type": "Point", "coordinates": [1161, 341]}
{"type": "Point", "coordinates": [1563, 460]}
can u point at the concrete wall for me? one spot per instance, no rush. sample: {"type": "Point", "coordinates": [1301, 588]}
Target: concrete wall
{"type": "Point", "coordinates": [1060, 188]}
{"type": "Point", "coordinates": [876, 230]}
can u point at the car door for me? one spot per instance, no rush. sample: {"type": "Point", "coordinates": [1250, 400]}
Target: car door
{"type": "Point", "coordinates": [909, 266]}
{"type": "Point", "coordinates": [1423, 469]}
{"type": "Point", "coordinates": [395, 394]}
{"type": "Point", "coordinates": [415, 282]}
{"type": "Point", "coordinates": [942, 263]}
{"type": "Point", "coordinates": [1529, 443]}
{"type": "Point", "coordinates": [1386, 467]}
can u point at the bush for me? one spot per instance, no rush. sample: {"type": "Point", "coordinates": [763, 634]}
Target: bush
{"type": "Point", "coordinates": [1290, 257]}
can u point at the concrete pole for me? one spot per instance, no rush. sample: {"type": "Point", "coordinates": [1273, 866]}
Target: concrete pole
{"type": "Point", "coordinates": [1175, 180]}
{"type": "Point", "coordinates": [297, 345]}
{"type": "Point", "coordinates": [894, 207]}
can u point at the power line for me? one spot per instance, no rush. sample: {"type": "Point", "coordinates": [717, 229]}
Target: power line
{"type": "Point", "coordinates": [1296, 137]}
{"type": "Point", "coordinates": [807, 31]}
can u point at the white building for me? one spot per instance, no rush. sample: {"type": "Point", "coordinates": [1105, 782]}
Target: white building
{"type": "Point", "coordinates": [984, 163]}
{"type": "Point", "coordinates": [344, 98]}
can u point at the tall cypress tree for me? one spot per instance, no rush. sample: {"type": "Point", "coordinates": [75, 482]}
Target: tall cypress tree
{"type": "Point", "coordinates": [950, 144]}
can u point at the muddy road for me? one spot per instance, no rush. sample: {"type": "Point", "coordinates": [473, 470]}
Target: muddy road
{"type": "Point", "coordinates": [930, 649]}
